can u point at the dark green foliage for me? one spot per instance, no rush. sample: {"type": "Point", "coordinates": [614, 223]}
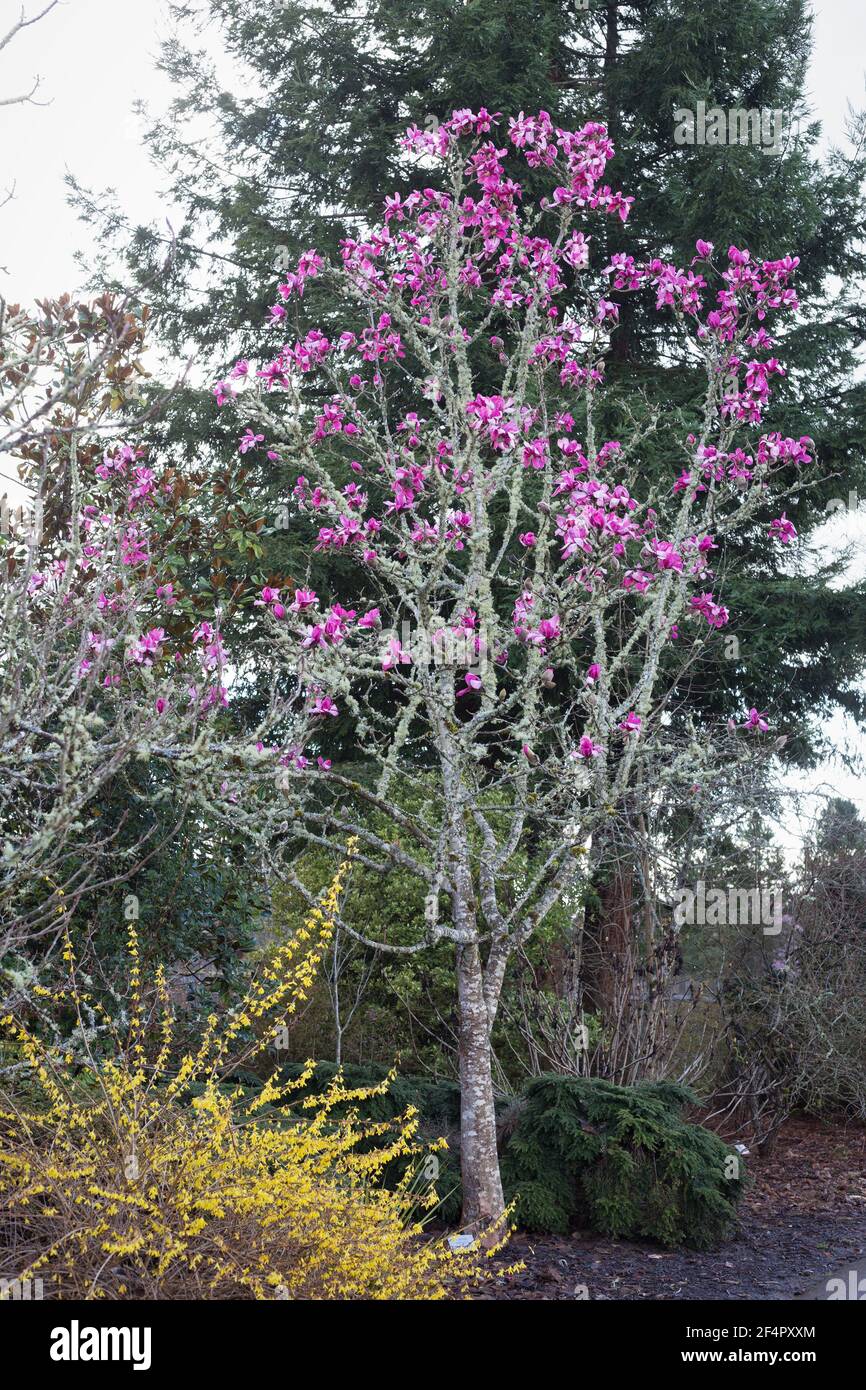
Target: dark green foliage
{"type": "Point", "coordinates": [620, 1160]}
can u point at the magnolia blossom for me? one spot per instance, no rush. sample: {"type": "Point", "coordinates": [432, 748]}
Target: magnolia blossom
{"type": "Point", "coordinates": [715, 613]}
{"type": "Point", "coordinates": [324, 705]}
{"type": "Point", "coordinates": [249, 441]}
{"type": "Point", "coordinates": [395, 655]}
{"type": "Point", "coordinates": [145, 648]}
{"type": "Point", "coordinates": [473, 683]}
{"type": "Point", "coordinates": [783, 529]}
{"type": "Point", "coordinates": [270, 598]}
{"type": "Point", "coordinates": [587, 749]}
{"type": "Point", "coordinates": [756, 721]}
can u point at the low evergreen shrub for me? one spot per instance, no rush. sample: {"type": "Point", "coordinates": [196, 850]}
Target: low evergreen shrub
{"type": "Point", "coordinates": [620, 1160]}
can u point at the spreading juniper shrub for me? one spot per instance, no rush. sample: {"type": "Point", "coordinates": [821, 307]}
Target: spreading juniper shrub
{"type": "Point", "coordinates": [620, 1160]}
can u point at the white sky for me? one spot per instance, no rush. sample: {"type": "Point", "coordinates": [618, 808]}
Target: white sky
{"type": "Point", "coordinates": [95, 57]}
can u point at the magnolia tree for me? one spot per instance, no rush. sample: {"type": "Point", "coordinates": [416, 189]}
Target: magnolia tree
{"type": "Point", "coordinates": [525, 599]}
{"type": "Point", "coordinates": [103, 666]}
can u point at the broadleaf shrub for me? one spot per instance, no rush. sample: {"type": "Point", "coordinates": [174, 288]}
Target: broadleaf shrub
{"type": "Point", "coordinates": [621, 1160]}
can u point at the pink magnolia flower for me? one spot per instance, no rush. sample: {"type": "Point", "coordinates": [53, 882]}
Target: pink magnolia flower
{"type": "Point", "coordinates": [606, 309]}
{"type": "Point", "coordinates": [249, 441]}
{"type": "Point", "coordinates": [587, 749]}
{"type": "Point", "coordinates": [324, 705]}
{"type": "Point", "coordinates": [212, 656]}
{"type": "Point", "coordinates": [396, 655]}
{"type": "Point", "coordinates": [632, 723]}
{"type": "Point", "coordinates": [576, 251]}
{"type": "Point", "coordinates": [638, 580]}
{"type": "Point", "coordinates": [592, 674]}
{"type": "Point", "coordinates": [473, 683]}
{"type": "Point", "coordinates": [548, 630]}
{"type": "Point", "coordinates": [304, 598]}
{"type": "Point", "coordinates": [144, 648]}
{"type": "Point", "coordinates": [133, 546]}
{"type": "Point", "coordinates": [783, 529]}
{"type": "Point", "coordinates": [715, 613]}
{"type": "Point", "coordinates": [757, 721]}
{"type": "Point", "coordinates": [527, 538]}
{"type": "Point", "coordinates": [667, 557]}
{"type": "Point", "coordinates": [535, 453]}
{"type": "Point", "coordinates": [271, 597]}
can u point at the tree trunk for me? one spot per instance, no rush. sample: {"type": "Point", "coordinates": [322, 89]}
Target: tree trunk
{"type": "Point", "coordinates": [614, 947]}
{"type": "Point", "coordinates": [483, 1202]}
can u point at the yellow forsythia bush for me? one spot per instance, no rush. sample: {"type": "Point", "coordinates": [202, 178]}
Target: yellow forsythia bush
{"type": "Point", "coordinates": [114, 1184]}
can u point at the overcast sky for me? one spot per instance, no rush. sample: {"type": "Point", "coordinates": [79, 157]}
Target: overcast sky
{"type": "Point", "coordinates": [95, 57]}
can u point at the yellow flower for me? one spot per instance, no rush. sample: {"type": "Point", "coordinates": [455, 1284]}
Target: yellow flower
{"type": "Point", "coordinates": [209, 1198]}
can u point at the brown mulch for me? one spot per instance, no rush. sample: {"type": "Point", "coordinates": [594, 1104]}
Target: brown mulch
{"type": "Point", "coordinates": [803, 1218]}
